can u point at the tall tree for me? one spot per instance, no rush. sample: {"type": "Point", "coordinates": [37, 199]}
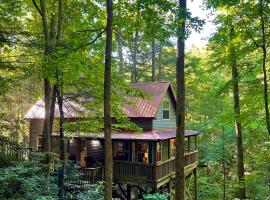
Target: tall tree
{"type": "Point", "coordinates": [107, 103]}
{"type": "Point", "coordinates": [180, 105]}
{"type": "Point", "coordinates": [264, 50]}
{"type": "Point", "coordinates": [238, 126]}
{"type": "Point", "coordinates": [61, 174]}
{"type": "Point", "coordinates": [134, 72]}
{"type": "Point", "coordinates": [51, 37]}
{"type": "Point", "coordinates": [153, 58]}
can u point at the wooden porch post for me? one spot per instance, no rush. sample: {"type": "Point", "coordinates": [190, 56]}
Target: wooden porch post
{"type": "Point", "coordinates": [188, 144]}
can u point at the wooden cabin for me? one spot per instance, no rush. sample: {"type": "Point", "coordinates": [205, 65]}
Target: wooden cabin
{"type": "Point", "coordinates": [144, 160]}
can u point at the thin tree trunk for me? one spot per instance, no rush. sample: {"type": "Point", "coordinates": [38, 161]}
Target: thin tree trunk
{"type": "Point", "coordinates": [52, 110]}
{"type": "Point", "coordinates": [46, 125]}
{"type": "Point", "coordinates": [224, 164]}
{"type": "Point", "coordinates": [153, 57]}
{"type": "Point", "coordinates": [61, 138]}
{"type": "Point", "coordinates": [134, 75]}
{"type": "Point", "coordinates": [265, 83]}
{"type": "Point", "coordinates": [159, 62]}
{"type": "Point", "coordinates": [107, 104]}
{"type": "Point", "coordinates": [180, 108]}
{"type": "Point", "coordinates": [56, 35]}
{"type": "Point", "coordinates": [120, 55]}
{"type": "Point", "coordinates": [51, 38]}
{"type": "Point", "coordinates": [238, 127]}
{"type": "Point", "coordinates": [47, 85]}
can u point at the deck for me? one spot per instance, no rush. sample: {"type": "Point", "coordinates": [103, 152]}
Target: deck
{"type": "Point", "coordinates": [140, 173]}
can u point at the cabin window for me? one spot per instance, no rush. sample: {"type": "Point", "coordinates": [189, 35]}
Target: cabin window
{"type": "Point", "coordinates": [172, 147]}
{"type": "Point", "coordinates": [121, 151]}
{"type": "Point", "coordinates": [166, 109]}
{"type": "Point", "coordinates": [142, 152]}
{"type": "Point", "coordinates": [158, 150]}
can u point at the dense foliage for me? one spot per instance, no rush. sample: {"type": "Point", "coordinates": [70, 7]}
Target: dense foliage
{"type": "Point", "coordinates": [144, 46]}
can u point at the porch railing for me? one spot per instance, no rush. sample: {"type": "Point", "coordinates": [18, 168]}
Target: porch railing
{"type": "Point", "coordinates": [13, 150]}
{"type": "Point", "coordinates": [91, 175]}
{"type": "Point", "coordinates": [168, 167]}
{"type": "Point", "coordinates": [125, 169]}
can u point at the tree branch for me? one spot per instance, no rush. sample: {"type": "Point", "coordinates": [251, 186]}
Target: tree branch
{"type": "Point", "coordinates": [90, 30]}
{"type": "Point", "coordinates": [247, 31]}
{"type": "Point", "coordinates": [82, 46]}
{"type": "Point", "coordinates": [38, 9]}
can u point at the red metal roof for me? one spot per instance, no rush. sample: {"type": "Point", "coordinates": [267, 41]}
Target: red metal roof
{"type": "Point", "coordinates": [71, 109]}
{"type": "Point", "coordinates": [144, 108]}
{"type": "Point", "coordinates": [153, 135]}
{"type": "Point", "coordinates": [149, 107]}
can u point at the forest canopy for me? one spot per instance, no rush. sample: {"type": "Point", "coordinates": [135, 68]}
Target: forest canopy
{"type": "Point", "coordinates": [57, 49]}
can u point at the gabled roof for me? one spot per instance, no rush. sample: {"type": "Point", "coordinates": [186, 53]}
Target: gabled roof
{"type": "Point", "coordinates": [72, 110]}
{"type": "Point", "coordinates": [148, 108]}
{"type": "Point", "coordinates": [142, 108]}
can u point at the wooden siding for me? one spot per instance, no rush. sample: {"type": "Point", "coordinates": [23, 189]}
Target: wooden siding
{"type": "Point", "coordinates": [144, 123]}
{"type": "Point", "coordinates": [159, 122]}
{"type": "Point", "coordinates": [95, 150]}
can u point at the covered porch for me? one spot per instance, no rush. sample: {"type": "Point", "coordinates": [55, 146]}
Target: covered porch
{"type": "Point", "coordinates": [138, 159]}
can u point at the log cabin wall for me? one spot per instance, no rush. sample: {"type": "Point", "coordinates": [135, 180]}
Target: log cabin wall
{"type": "Point", "coordinates": [95, 150]}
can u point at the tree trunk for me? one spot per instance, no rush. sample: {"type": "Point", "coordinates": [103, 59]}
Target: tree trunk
{"type": "Point", "coordinates": [238, 127]}
{"type": "Point", "coordinates": [159, 62]}
{"type": "Point", "coordinates": [180, 108]}
{"type": "Point", "coordinates": [52, 110]}
{"type": "Point", "coordinates": [120, 55]}
{"type": "Point", "coordinates": [46, 125]}
{"type": "Point", "coordinates": [107, 104]}
{"type": "Point", "coordinates": [51, 38]}
{"type": "Point", "coordinates": [47, 85]}
{"type": "Point", "coordinates": [62, 140]}
{"type": "Point", "coordinates": [265, 83]}
{"type": "Point", "coordinates": [134, 75]}
{"type": "Point", "coordinates": [153, 53]}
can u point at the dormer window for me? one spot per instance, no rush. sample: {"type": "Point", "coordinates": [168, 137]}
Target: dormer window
{"type": "Point", "coordinates": [166, 109]}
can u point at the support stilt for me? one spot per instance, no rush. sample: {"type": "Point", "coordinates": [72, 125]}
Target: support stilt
{"type": "Point", "coordinates": [195, 184]}
{"type": "Point", "coordinates": [128, 192]}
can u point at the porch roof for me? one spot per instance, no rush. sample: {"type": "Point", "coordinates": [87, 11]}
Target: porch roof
{"type": "Point", "coordinates": [153, 135]}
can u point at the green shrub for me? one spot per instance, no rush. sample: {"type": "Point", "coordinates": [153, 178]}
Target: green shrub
{"type": "Point", "coordinates": [5, 160]}
{"type": "Point", "coordinates": [156, 196]}
{"type": "Point", "coordinates": [26, 180]}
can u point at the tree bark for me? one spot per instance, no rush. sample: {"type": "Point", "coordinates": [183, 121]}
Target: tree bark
{"type": "Point", "coordinates": [52, 110]}
{"type": "Point", "coordinates": [51, 39]}
{"type": "Point", "coordinates": [153, 57]}
{"type": "Point", "coordinates": [159, 62]}
{"type": "Point", "coordinates": [61, 138]}
{"type": "Point", "coordinates": [238, 126]}
{"type": "Point", "coordinates": [134, 75]}
{"type": "Point", "coordinates": [107, 104]}
{"type": "Point", "coordinates": [47, 85]}
{"type": "Point", "coordinates": [180, 106]}
{"type": "Point", "coordinates": [265, 83]}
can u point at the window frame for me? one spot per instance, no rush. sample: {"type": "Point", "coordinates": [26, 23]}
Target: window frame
{"type": "Point", "coordinates": [160, 152]}
{"type": "Point", "coordinates": [168, 109]}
